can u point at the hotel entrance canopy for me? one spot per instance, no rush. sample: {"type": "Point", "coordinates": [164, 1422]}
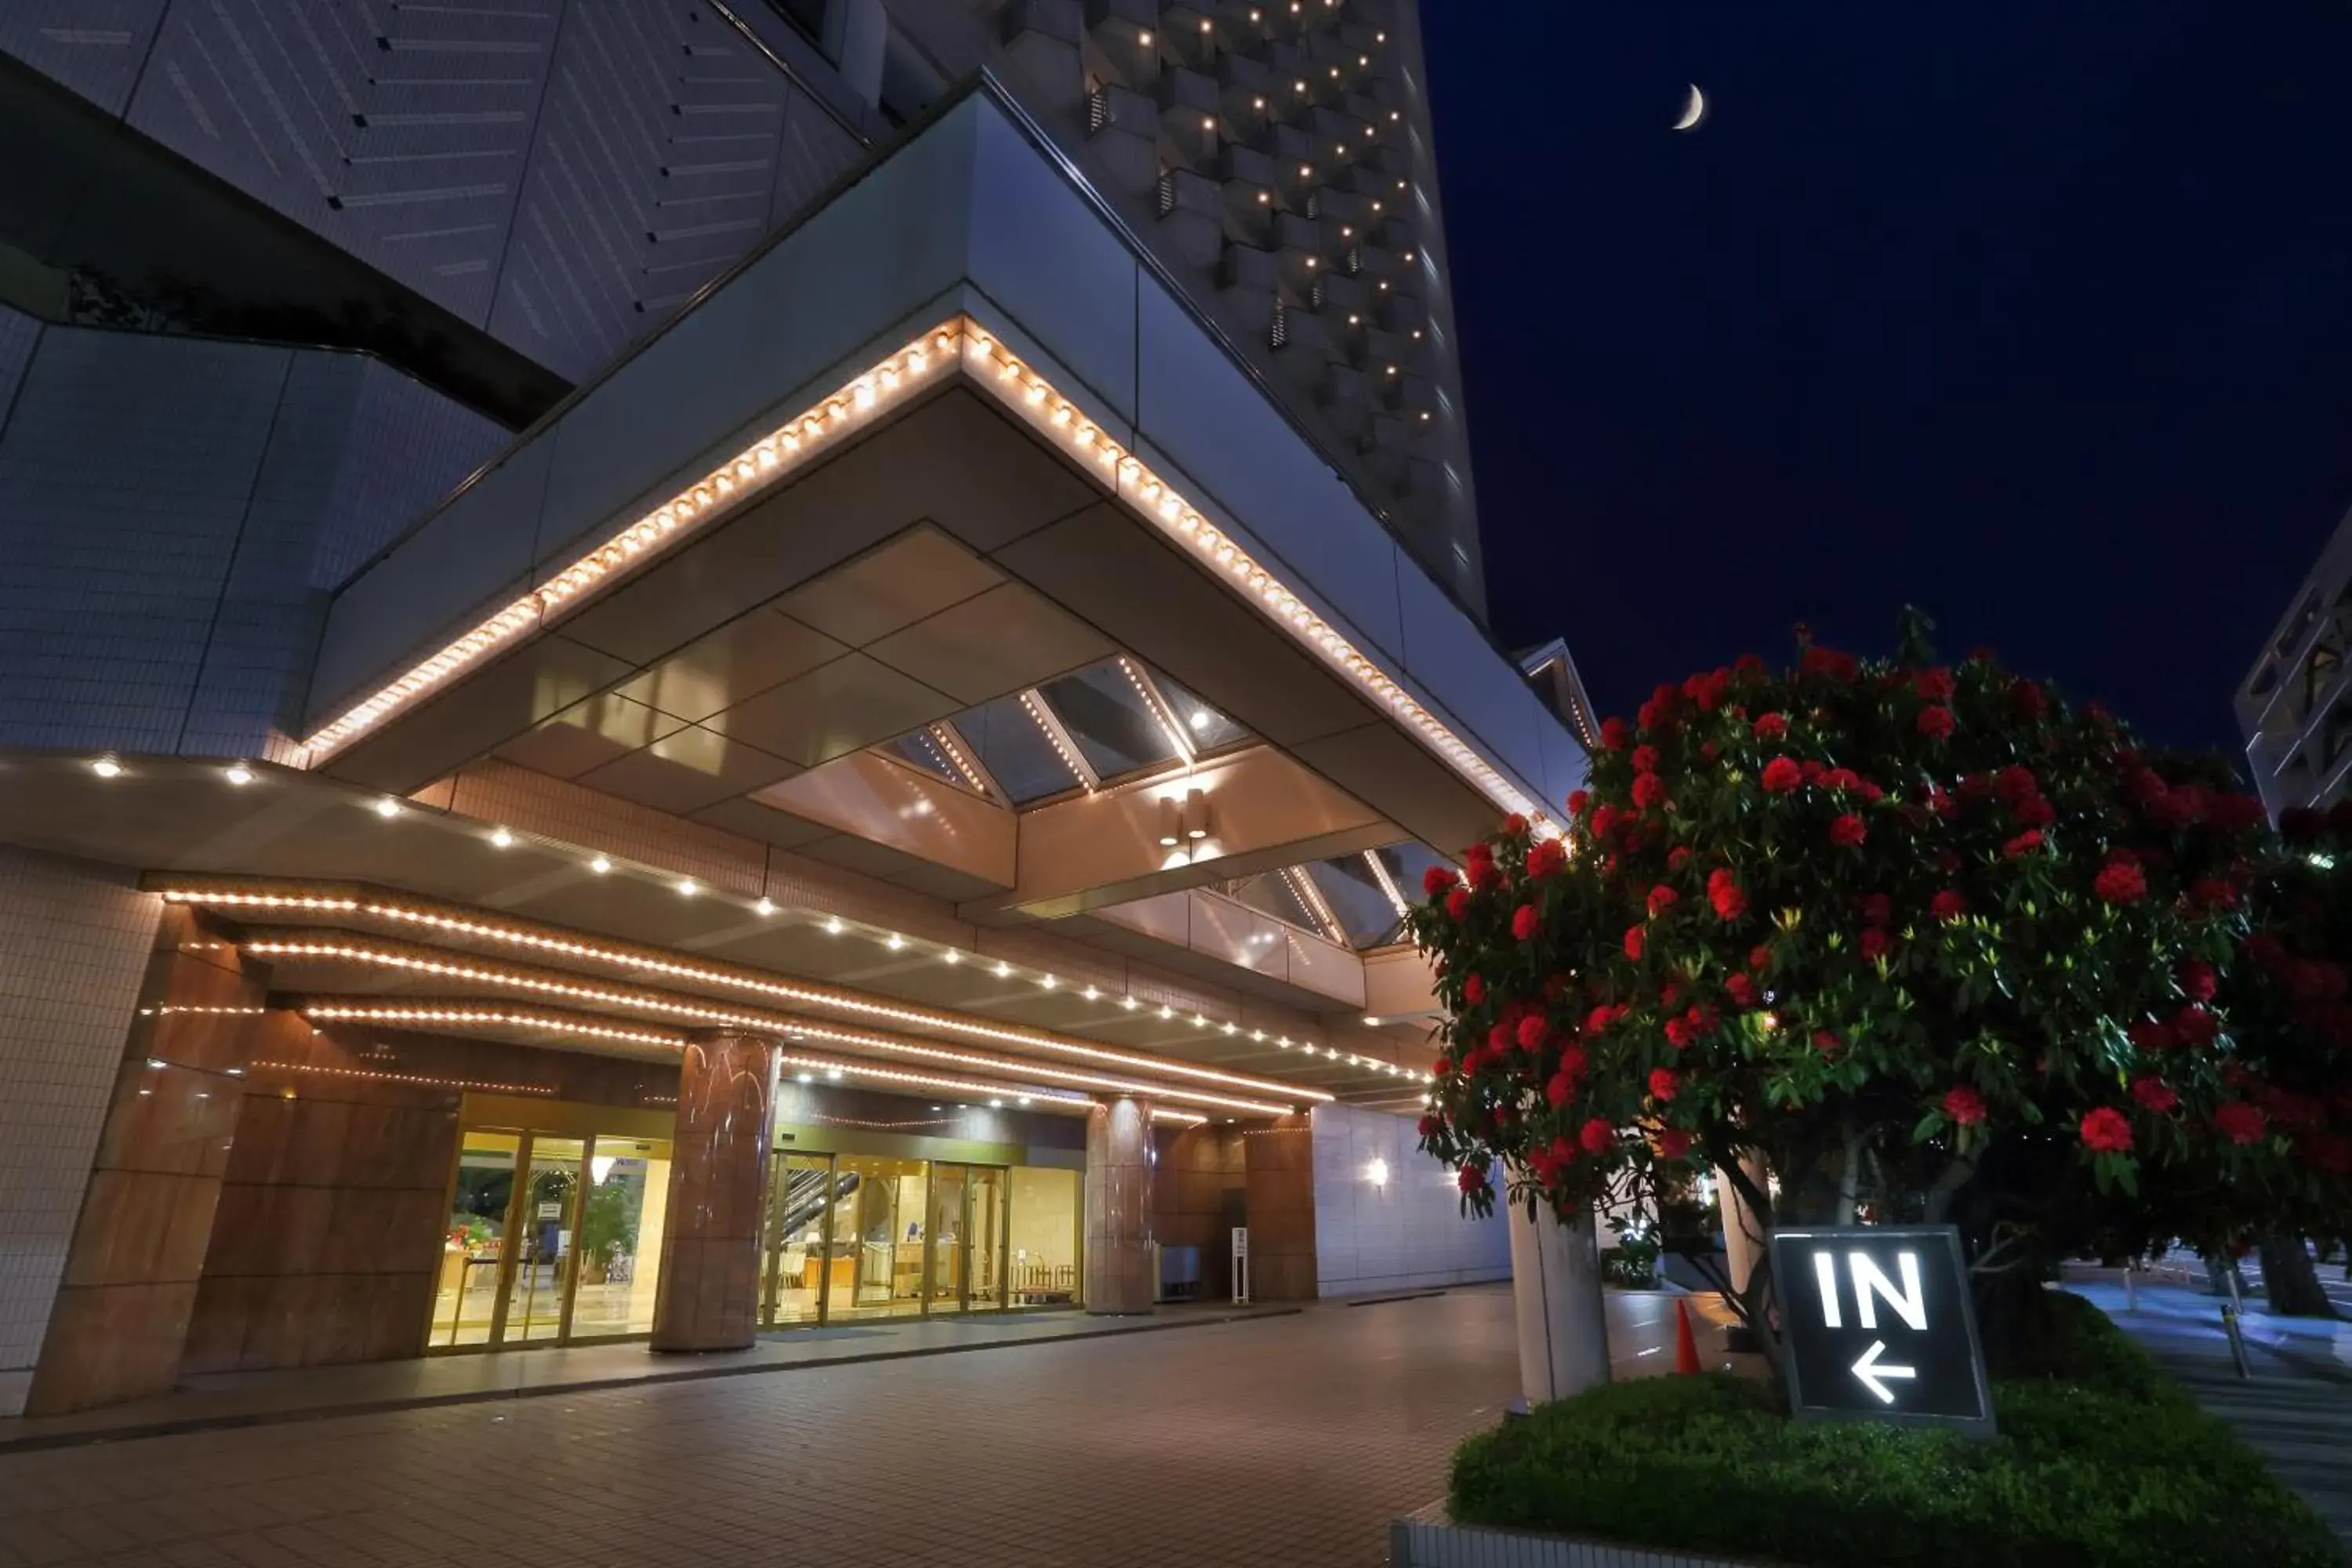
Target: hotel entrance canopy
{"type": "Point", "coordinates": [945, 443]}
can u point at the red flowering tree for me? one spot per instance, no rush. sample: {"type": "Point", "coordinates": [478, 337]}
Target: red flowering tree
{"type": "Point", "coordinates": [1914, 941]}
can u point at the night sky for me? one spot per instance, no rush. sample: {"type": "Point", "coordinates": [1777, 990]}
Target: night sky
{"type": "Point", "coordinates": [2037, 315]}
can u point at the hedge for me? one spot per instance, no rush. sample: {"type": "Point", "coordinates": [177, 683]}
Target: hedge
{"type": "Point", "coordinates": [2101, 1462]}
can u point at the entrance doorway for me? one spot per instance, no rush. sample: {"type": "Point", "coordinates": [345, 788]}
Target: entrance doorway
{"type": "Point", "coordinates": [852, 1236]}
{"type": "Point", "coordinates": [552, 1239]}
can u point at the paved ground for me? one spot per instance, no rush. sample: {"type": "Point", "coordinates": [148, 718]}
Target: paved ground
{"type": "Point", "coordinates": [1288, 1441]}
{"type": "Point", "coordinates": [2296, 1408]}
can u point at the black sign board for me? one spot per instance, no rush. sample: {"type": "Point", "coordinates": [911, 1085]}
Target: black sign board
{"type": "Point", "coordinates": [1878, 1327]}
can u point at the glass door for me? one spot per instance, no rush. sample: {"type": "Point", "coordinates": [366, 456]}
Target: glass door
{"type": "Point", "coordinates": [536, 1297]}
{"type": "Point", "coordinates": [466, 1298]}
{"type": "Point", "coordinates": [618, 1251]}
{"type": "Point", "coordinates": [802, 1268]}
{"type": "Point", "coordinates": [965, 1266]}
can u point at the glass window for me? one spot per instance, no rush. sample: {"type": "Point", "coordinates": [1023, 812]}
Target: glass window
{"type": "Point", "coordinates": [878, 1221]}
{"type": "Point", "coordinates": [1270, 893]}
{"type": "Point", "coordinates": [1209, 730]}
{"type": "Point", "coordinates": [1110, 720]}
{"type": "Point", "coordinates": [1015, 752]}
{"type": "Point", "coordinates": [1043, 1227]}
{"type": "Point", "coordinates": [1347, 885]}
{"type": "Point", "coordinates": [621, 1223]}
{"type": "Point", "coordinates": [800, 1270]}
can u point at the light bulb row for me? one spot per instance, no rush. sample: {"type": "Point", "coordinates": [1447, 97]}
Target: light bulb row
{"type": "Point", "coordinates": [610, 995]}
{"type": "Point", "coordinates": [480, 1017]}
{"type": "Point", "coordinates": [1030, 395]}
{"type": "Point", "coordinates": [761, 463]}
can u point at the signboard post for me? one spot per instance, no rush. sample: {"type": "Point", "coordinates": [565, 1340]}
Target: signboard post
{"type": "Point", "coordinates": [1879, 1327]}
{"type": "Point", "coordinates": [1241, 1266]}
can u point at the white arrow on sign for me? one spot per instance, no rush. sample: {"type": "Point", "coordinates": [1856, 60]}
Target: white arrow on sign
{"type": "Point", "coordinates": [1870, 1371]}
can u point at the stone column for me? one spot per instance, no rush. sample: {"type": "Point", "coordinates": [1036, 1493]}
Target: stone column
{"type": "Point", "coordinates": [709, 1294]}
{"type": "Point", "coordinates": [1118, 1206]}
{"type": "Point", "coordinates": [1556, 1298]}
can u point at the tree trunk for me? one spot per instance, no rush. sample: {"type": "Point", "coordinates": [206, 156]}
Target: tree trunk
{"type": "Point", "coordinates": [2291, 1282]}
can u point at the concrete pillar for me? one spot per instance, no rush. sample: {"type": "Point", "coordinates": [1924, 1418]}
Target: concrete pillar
{"type": "Point", "coordinates": [1118, 1206]}
{"type": "Point", "coordinates": [1743, 1237]}
{"type": "Point", "coordinates": [1556, 1298]}
{"type": "Point", "coordinates": [856, 32]}
{"type": "Point", "coordinates": [709, 1294]}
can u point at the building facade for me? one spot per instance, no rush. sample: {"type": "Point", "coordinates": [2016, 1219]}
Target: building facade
{"type": "Point", "coordinates": [679, 669]}
{"type": "Point", "coordinates": [2292, 707]}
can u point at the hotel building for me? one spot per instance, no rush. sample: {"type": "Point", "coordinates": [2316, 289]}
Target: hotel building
{"type": "Point", "coordinates": [674, 669]}
{"type": "Point", "coordinates": [2291, 706]}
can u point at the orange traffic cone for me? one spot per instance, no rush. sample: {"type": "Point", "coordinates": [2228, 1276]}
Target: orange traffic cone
{"type": "Point", "coordinates": [1686, 1343]}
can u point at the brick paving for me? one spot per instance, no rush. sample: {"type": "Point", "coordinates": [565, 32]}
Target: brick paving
{"type": "Point", "coordinates": [1288, 1440]}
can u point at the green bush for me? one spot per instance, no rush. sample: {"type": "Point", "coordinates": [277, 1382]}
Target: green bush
{"type": "Point", "coordinates": [2110, 1468]}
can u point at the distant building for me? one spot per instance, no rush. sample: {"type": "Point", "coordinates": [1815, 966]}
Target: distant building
{"type": "Point", "coordinates": [2293, 707]}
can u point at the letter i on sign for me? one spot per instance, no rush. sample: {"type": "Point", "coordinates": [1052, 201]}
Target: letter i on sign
{"type": "Point", "coordinates": [1825, 1275]}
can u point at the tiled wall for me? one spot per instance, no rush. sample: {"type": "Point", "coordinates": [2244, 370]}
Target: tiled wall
{"type": "Point", "coordinates": [1404, 1233]}
{"type": "Point", "coordinates": [1280, 1161]}
{"type": "Point", "coordinates": [1198, 1194]}
{"type": "Point", "coordinates": [74, 940]}
{"type": "Point", "coordinates": [175, 511]}
{"type": "Point", "coordinates": [564, 172]}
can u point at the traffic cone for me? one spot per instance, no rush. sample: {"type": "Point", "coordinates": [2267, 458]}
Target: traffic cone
{"type": "Point", "coordinates": [1686, 1343]}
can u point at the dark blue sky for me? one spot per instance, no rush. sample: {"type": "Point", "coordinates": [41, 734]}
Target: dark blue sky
{"type": "Point", "coordinates": [2039, 315]}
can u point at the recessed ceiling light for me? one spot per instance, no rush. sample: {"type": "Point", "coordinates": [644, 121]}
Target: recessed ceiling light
{"type": "Point", "coordinates": [1091, 994]}
{"type": "Point", "coordinates": [764, 907]}
{"type": "Point", "coordinates": [832, 926]}
{"type": "Point", "coordinates": [1130, 1002]}
{"type": "Point", "coordinates": [106, 767]}
{"type": "Point", "coordinates": [1003, 971]}
{"type": "Point", "coordinates": [895, 943]}
{"type": "Point", "coordinates": [687, 887]}
{"type": "Point", "coordinates": [387, 808]}
{"type": "Point", "coordinates": [951, 956]}
{"type": "Point", "coordinates": [804, 1078]}
{"type": "Point", "coordinates": [237, 774]}
{"type": "Point", "coordinates": [1047, 980]}
{"type": "Point", "coordinates": [502, 838]}
{"type": "Point", "coordinates": [600, 865]}
{"type": "Point", "coordinates": [996, 1105]}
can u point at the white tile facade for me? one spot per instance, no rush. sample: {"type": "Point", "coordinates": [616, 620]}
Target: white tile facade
{"type": "Point", "coordinates": [74, 940]}
{"type": "Point", "coordinates": [1404, 1233]}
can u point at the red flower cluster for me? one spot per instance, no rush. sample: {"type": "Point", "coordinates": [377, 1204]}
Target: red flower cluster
{"type": "Point", "coordinates": [1665, 1082]}
{"type": "Point", "coordinates": [1964, 1105]}
{"type": "Point", "coordinates": [1847, 832]}
{"type": "Point", "coordinates": [1614, 735]}
{"type": "Point", "coordinates": [2155, 1096]}
{"type": "Point", "coordinates": [1526, 922]}
{"type": "Point", "coordinates": [1771, 727]}
{"type": "Point", "coordinates": [2104, 1131]}
{"type": "Point", "coordinates": [1663, 897]}
{"type": "Point", "coordinates": [1649, 791]}
{"type": "Point", "coordinates": [2241, 1123]}
{"type": "Point", "coordinates": [1935, 723]}
{"type": "Point", "coordinates": [1950, 904]}
{"type": "Point", "coordinates": [1722, 892]}
{"type": "Point", "coordinates": [2121, 881]}
{"type": "Point", "coordinates": [1782, 774]}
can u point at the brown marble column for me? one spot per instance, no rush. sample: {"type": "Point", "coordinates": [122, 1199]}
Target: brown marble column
{"type": "Point", "coordinates": [707, 1296]}
{"type": "Point", "coordinates": [130, 1276]}
{"type": "Point", "coordinates": [1118, 1207]}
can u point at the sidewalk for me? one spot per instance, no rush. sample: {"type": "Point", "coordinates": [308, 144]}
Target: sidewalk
{"type": "Point", "coordinates": [2297, 1409]}
{"type": "Point", "coordinates": [311, 1394]}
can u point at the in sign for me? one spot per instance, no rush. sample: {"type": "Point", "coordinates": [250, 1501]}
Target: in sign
{"type": "Point", "coordinates": [1879, 1327]}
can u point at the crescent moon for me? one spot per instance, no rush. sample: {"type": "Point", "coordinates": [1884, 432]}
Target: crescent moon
{"type": "Point", "coordinates": [1694, 111]}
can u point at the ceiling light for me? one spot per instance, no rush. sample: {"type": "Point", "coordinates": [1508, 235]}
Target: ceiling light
{"type": "Point", "coordinates": [600, 865]}
{"type": "Point", "coordinates": [1374, 1023]}
{"type": "Point", "coordinates": [237, 774]}
{"type": "Point", "coordinates": [764, 907]}
{"type": "Point", "coordinates": [1047, 980]}
{"type": "Point", "coordinates": [1003, 970]}
{"type": "Point", "coordinates": [106, 767]}
{"type": "Point", "coordinates": [1130, 1002]}
{"type": "Point", "coordinates": [996, 1105]}
{"type": "Point", "coordinates": [1023, 1099]}
{"type": "Point", "coordinates": [834, 1073]}
{"type": "Point", "coordinates": [502, 838]}
{"type": "Point", "coordinates": [1143, 38]}
{"type": "Point", "coordinates": [1166, 1012]}
{"type": "Point", "coordinates": [387, 808]}
{"type": "Point", "coordinates": [1092, 995]}
{"type": "Point", "coordinates": [832, 926]}
{"type": "Point", "coordinates": [688, 888]}
{"type": "Point", "coordinates": [951, 956]}
{"type": "Point", "coordinates": [895, 943]}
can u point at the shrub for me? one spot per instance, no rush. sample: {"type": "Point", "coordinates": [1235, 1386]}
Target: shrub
{"type": "Point", "coordinates": [2101, 1463]}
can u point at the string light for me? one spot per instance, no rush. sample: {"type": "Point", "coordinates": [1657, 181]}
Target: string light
{"type": "Point", "coordinates": [793, 444]}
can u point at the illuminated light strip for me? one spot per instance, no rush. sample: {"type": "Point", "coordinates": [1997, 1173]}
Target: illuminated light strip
{"type": "Point", "coordinates": [765, 1023]}
{"type": "Point", "coordinates": [479, 1016]}
{"type": "Point", "coordinates": [1062, 421]}
{"type": "Point", "coordinates": [944, 738]}
{"type": "Point", "coordinates": [408, 1077]}
{"type": "Point", "coordinates": [1065, 1075]}
{"type": "Point", "coordinates": [787, 447]}
{"type": "Point", "coordinates": [1388, 883]}
{"type": "Point", "coordinates": [1042, 1099]}
{"type": "Point", "coordinates": [171, 1007]}
{"type": "Point", "coordinates": [255, 901]}
{"type": "Point", "coordinates": [1032, 702]}
{"type": "Point", "coordinates": [652, 962]}
{"type": "Point", "coordinates": [1303, 885]}
{"type": "Point", "coordinates": [1158, 707]}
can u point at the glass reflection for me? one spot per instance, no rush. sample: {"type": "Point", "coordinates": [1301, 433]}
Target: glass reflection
{"type": "Point", "coordinates": [539, 1266]}
{"type": "Point", "coordinates": [621, 1222]}
{"type": "Point", "coordinates": [465, 1299]}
